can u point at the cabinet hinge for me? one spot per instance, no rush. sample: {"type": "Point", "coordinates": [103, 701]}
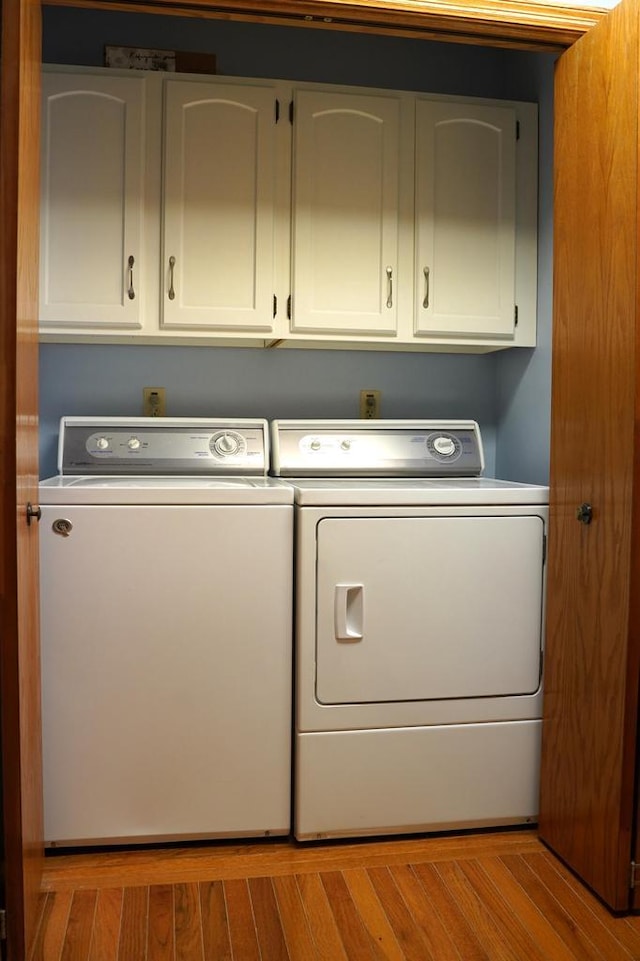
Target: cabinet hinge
{"type": "Point", "coordinates": [3, 925]}
{"type": "Point", "coordinates": [277, 110]}
{"type": "Point", "coordinates": [517, 130]}
{"type": "Point", "coordinates": [291, 112]}
{"type": "Point", "coordinates": [515, 316]}
{"type": "Point", "coordinates": [275, 305]}
{"type": "Point", "coordinates": [632, 875]}
{"type": "Point", "coordinates": [289, 307]}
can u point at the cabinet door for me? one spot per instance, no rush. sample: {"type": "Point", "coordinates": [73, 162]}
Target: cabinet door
{"type": "Point", "coordinates": [346, 220]}
{"type": "Point", "coordinates": [91, 204]}
{"type": "Point", "coordinates": [219, 199]}
{"type": "Point", "coordinates": [465, 220]}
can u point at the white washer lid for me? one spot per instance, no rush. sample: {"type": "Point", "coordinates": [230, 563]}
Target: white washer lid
{"type": "Point", "coordinates": [140, 489]}
{"type": "Point", "coordinates": [414, 492]}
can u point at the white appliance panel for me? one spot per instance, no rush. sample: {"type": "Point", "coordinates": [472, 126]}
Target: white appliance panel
{"type": "Point", "coordinates": [428, 608]}
{"type": "Point", "coordinates": [166, 634]}
{"type": "Point", "coordinates": [416, 779]}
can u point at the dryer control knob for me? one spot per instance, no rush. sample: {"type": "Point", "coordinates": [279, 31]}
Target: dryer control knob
{"type": "Point", "coordinates": [345, 444]}
{"type": "Point", "coordinates": [315, 445]}
{"type": "Point", "coordinates": [102, 443]}
{"type": "Point", "coordinates": [133, 443]}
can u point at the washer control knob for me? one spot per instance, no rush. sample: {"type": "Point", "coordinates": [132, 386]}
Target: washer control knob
{"type": "Point", "coordinates": [345, 444]}
{"type": "Point", "coordinates": [102, 443]}
{"type": "Point", "coordinates": [445, 446]}
{"type": "Point", "coordinates": [226, 444]}
{"type": "Point", "coordinates": [315, 445]}
{"type": "Point", "coordinates": [133, 443]}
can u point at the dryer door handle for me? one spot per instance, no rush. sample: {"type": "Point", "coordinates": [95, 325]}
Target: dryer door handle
{"type": "Point", "coordinates": [349, 612]}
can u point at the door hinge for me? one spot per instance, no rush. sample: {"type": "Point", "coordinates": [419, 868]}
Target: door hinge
{"type": "Point", "coordinates": [289, 307]}
{"type": "Point", "coordinates": [517, 130]}
{"type": "Point", "coordinates": [291, 111]}
{"type": "Point", "coordinates": [632, 875]}
{"type": "Point", "coordinates": [515, 315]}
{"type": "Point", "coordinates": [277, 110]}
{"type": "Point", "coordinates": [3, 925]}
{"type": "Point", "coordinates": [275, 305]}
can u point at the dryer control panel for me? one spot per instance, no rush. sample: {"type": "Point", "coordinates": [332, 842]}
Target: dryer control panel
{"type": "Point", "coordinates": [382, 448]}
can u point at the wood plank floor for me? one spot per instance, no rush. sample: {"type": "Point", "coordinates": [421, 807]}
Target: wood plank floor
{"type": "Point", "coordinates": [487, 897]}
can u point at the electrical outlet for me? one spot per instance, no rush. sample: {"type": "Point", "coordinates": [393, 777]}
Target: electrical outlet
{"type": "Point", "coordinates": [370, 404]}
{"type": "Point", "coordinates": [153, 401]}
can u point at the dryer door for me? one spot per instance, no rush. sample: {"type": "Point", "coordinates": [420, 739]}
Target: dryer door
{"type": "Point", "coordinates": [420, 608]}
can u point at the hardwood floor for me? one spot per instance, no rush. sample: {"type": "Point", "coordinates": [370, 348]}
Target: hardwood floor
{"type": "Point", "coordinates": [497, 897]}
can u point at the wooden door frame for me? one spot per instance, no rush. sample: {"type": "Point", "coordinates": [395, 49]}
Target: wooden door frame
{"type": "Point", "coordinates": [543, 25]}
{"type": "Point", "coordinates": [507, 23]}
{"type": "Point", "coordinates": [19, 649]}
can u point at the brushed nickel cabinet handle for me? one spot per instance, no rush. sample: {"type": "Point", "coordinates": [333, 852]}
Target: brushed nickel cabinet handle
{"type": "Point", "coordinates": [172, 293]}
{"type": "Point", "coordinates": [425, 302]}
{"type": "Point", "coordinates": [130, 288]}
{"type": "Point", "coordinates": [389, 286]}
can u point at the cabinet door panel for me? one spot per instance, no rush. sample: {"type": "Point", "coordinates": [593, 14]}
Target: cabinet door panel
{"type": "Point", "coordinates": [465, 210]}
{"type": "Point", "coordinates": [346, 220]}
{"type": "Point", "coordinates": [219, 189]}
{"type": "Point", "coordinates": [91, 209]}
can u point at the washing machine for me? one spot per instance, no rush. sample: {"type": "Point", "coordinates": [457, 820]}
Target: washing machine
{"type": "Point", "coordinates": [418, 629]}
{"type": "Point", "coordinates": [166, 633]}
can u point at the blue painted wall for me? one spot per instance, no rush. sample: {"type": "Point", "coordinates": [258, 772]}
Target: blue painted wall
{"type": "Point", "coordinates": [508, 393]}
{"type": "Point", "coordinates": [244, 382]}
{"type": "Point", "coordinates": [523, 377]}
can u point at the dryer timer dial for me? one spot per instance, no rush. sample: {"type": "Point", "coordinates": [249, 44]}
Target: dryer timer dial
{"type": "Point", "coordinates": [444, 446]}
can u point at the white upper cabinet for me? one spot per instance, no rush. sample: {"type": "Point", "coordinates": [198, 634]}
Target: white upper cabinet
{"type": "Point", "coordinates": [346, 209]}
{"type": "Point", "coordinates": [219, 217]}
{"type": "Point", "coordinates": [91, 209]}
{"type": "Point", "coordinates": [465, 220]}
{"type": "Point", "coordinates": [179, 209]}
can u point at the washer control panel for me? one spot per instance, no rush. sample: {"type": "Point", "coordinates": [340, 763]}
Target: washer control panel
{"type": "Point", "coordinates": [150, 445]}
{"type": "Point", "coordinates": [377, 448]}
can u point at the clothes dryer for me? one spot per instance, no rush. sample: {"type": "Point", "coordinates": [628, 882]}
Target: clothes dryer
{"type": "Point", "coordinates": [418, 629]}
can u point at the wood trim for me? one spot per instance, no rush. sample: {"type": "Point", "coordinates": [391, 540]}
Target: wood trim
{"type": "Point", "coordinates": [19, 650]}
{"type": "Point", "coordinates": [253, 859]}
{"type": "Point", "coordinates": [633, 671]}
{"type": "Point", "coordinates": [545, 25]}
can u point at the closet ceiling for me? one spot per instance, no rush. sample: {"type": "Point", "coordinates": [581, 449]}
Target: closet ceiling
{"type": "Point", "coordinates": [542, 25]}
